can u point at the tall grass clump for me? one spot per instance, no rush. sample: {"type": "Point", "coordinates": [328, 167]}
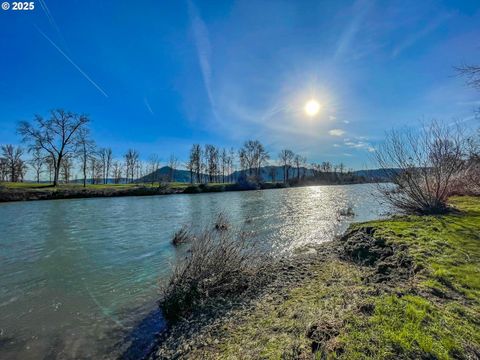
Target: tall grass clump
{"type": "Point", "coordinates": [219, 266]}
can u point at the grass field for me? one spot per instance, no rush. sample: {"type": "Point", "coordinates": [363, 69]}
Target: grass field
{"type": "Point", "coordinates": [339, 314]}
{"type": "Point", "coordinates": [32, 185]}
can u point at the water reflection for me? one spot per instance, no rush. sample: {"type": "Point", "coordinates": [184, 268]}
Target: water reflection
{"type": "Point", "coordinates": [77, 275]}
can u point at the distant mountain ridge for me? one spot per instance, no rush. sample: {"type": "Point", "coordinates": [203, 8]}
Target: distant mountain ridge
{"type": "Point", "coordinates": [181, 175]}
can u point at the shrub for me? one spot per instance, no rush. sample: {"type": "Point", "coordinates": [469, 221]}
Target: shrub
{"type": "Point", "coordinates": [182, 236]}
{"type": "Point", "coordinates": [346, 212]}
{"type": "Point", "coordinates": [221, 222]}
{"type": "Point", "coordinates": [424, 166]}
{"type": "Point", "coordinates": [220, 265]}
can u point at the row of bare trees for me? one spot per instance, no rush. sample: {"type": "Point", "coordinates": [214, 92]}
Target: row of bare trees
{"type": "Point", "coordinates": [210, 164]}
{"type": "Point", "coordinates": [60, 143]}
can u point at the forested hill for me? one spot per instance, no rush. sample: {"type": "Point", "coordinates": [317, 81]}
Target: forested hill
{"type": "Point", "coordinates": [267, 173]}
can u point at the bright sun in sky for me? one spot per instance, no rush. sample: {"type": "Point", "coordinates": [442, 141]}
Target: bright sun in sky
{"type": "Point", "coordinates": [312, 107]}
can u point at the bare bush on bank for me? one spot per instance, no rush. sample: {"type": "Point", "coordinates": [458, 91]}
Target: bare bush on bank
{"type": "Point", "coordinates": [425, 166]}
{"type": "Point", "coordinates": [219, 265]}
{"type": "Point", "coordinates": [469, 182]}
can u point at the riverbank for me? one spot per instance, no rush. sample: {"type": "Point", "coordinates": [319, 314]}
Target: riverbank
{"type": "Point", "coordinates": [407, 287]}
{"type": "Point", "coordinates": [10, 192]}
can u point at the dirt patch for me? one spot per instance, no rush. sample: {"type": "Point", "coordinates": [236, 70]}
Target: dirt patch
{"type": "Point", "coordinates": [391, 262]}
{"type": "Point", "coordinates": [204, 329]}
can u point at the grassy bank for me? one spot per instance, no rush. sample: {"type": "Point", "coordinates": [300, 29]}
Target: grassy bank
{"type": "Point", "coordinates": [408, 287]}
{"type": "Point", "coordinates": [10, 191]}
{"type": "Point", "coordinates": [34, 191]}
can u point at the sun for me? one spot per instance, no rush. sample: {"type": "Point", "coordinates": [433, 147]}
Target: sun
{"type": "Point", "coordinates": [312, 107]}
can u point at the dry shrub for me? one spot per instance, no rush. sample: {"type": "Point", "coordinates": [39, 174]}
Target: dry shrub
{"type": "Point", "coordinates": [346, 212]}
{"type": "Point", "coordinates": [219, 266]}
{"type": "Point", "coordinates": [221, 222]}
{"type": "Point", "coordinates": [468, 182]}
{"type": "Point", "coordinates": [182, 236]}
{"type": "Point", "coordinates": [425, 167]}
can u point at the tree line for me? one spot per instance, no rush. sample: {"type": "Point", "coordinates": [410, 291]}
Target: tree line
{"type": "Point", "coordinates": [61, 144]}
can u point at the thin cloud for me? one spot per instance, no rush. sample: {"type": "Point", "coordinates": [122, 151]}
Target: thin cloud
{"type": "Point", "coordinates": [410, 41]}
{"type": "Point", "coordinates": [359, 143]}
{"type": "Point", "coordinates": [202, 43]}
{"type": "Point", "coordinates": [147, 105]}
{"type": "Point", "coordinates": [336, 132]}
{"type": "Point", "coordinates": [73, 63]}
{"type": "Point", "coordinates": [360, 9]}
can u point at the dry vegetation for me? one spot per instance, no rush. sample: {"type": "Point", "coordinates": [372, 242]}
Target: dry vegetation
{"type": "Point", "coordinates": [404, 288]}
{"type": "Point", "coordinates": [427, 167]}
{"type": "Point", "coordinates": [219, 266]}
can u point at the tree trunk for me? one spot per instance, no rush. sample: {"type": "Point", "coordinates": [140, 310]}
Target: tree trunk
{"type": "Point", "coordinates": [56, 171]}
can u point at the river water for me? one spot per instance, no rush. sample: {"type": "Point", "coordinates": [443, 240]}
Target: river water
{"type": "Point", "coordinates": [78, 276]}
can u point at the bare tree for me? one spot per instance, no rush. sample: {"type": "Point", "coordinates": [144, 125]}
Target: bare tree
{"type": "Point", "coordinates": [66, 168]}
{"type": "Point", "coordinates": [172, 164]}
{"type": "Point", "coordinates": [469, 181]}
{"type": "Point", "coordinates": [231, 161]}
{"type": "Point", "coordinates": [253, 156]}
{"type": "Point", "coordinates": [326, 166]}
{"type": "Point", "coordinates": [93, 164]}
{"type": "Point", "coordinates": [423, 167]}
{"type": "Point", "coordinates": [300, 163]}
{"type": "Point", "coordinates": [50, 168]}
{"type": "Point", "coordinates": [131, 163]}
{"type": "Point", "coordinates": [194, 162]}
{"type": "Point", "coordinates": [211, 156]}
{"type": "Point", "coordinates": [153, 168]}
{"type": "Point", "coordinates": [286, 157]}
{"type": "Point", "coordinates": [472, 73]}
{"type": "Point", "coordinates": [14, 163]}
{"type": "Point", "coordinates": [37, 162]}
{"type": "Point", "coordinates": [55, 135]}
{"type": "Point", "coordinates": [224, 163]}
{"type": "Point", "coordinates": [3, 169]}
{"type": "Point", "coordinates": [106, 159]}
{"type": "Point", "coordinates": [85, 148]}
{"type": "Point", "coordinates": [117, 172]}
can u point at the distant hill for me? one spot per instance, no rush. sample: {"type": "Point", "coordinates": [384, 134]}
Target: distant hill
{"type": "Point", "coordinates": [376, 174]}
{"type": "Point", "coordinates": [181, 175]}
{"type": "Point", "coordinates": [163, 174]}
{"type": "Point", "coordinates": [265, 172]}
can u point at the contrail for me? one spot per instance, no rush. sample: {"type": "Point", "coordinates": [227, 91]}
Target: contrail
{"type": "Point", "coordinates": [48, 14]}
{"type": "Point", "coordinates": [147, 104]}
{"type": "Point", "coordinates": [52, 21]}
{"type": "Point", "coordinates": [73, 63]}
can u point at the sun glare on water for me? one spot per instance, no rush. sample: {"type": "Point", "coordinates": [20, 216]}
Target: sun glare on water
{"type": "Point", "coordinates": [312, 107]}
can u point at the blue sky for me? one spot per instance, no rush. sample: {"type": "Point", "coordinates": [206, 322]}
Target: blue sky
{"type": "Point", "coordinates": [160, 75]}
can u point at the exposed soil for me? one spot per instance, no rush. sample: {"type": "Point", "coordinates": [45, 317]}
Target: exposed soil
{"type": "Point", "coordinates": [384, 264]}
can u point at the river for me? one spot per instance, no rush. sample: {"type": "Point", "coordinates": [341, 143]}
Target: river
{"type": "Point", "coordinates": [78, 276]}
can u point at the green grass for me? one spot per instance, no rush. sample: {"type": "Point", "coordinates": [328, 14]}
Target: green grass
{"type": "Point", "coordinates": [434, 315]}
{"type": "Point", "coordinates": [24, 185]}
{"type": "Point", "coordinates": [35, 186]}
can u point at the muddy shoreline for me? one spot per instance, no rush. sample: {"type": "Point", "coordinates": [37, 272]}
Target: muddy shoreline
{"type": "Point", "coordinates": [383, 265]}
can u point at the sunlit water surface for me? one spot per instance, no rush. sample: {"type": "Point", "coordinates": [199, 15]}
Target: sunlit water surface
{"type": "Point", "coordinates": [78, 276]}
